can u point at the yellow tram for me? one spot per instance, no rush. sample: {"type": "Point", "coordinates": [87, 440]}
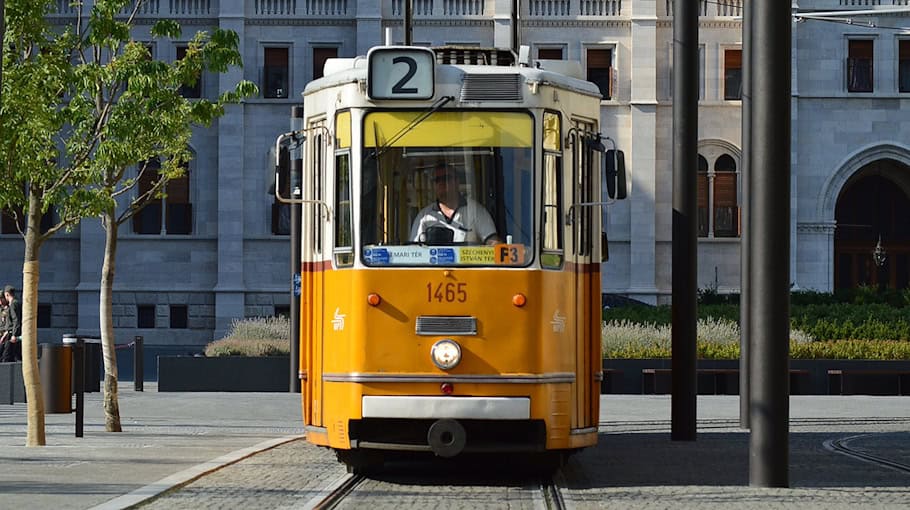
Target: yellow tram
{"type": "Point", "coordinates": [451, 242]}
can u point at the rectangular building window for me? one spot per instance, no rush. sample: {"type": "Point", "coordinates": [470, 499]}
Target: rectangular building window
{"type": "Point", "coordinates": [275, 73]}
{"type": "Point", "coordinates": [549, 53]}
{"type": "Point", "coordinates": [600, 70]}
{"type": "Point", "coordinates": [175, 207]}
{"type": "Point", "coordinates": [859, 65]}
{"type": "Point", "coordinates": [145, 316]}
{"type": "Point", "coordinates": [179, 317]}
{"type": "Point", "coordinates": [44, 315]}
{"type": "Point", "coordinates": [178, 212]}
{"type": "Point", "coordinates": [903, 65]}
{"type": "Point", "coordinates": [320, 55]}
{"type": "Point", "coordinates": [733, 75]}
{"type": "Point", "coordinates": [189, 90]}
{"type": "Point", "coordinates": [12, 221]}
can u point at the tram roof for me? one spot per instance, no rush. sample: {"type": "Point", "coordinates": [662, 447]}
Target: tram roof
{"type": "Point", "coordinates": [341, 71]}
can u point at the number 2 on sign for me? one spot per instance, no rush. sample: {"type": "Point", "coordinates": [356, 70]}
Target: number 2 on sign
{"type": "Point", "coordinates": [447, 292]}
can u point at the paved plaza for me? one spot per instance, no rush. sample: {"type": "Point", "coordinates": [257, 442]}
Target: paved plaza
{"type": "Point", "coordinates": [244, 450]}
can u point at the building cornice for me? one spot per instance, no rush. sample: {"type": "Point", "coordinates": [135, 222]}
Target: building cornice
{"type": "Point", "coordinates": [301, 22]}
{"type": "Point", "coordinates": [575, 23]}
{"type": "Point", "coordinates": [819, 227]}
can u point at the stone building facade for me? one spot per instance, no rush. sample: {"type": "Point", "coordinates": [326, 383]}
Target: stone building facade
{"type": "Point", "coordinates": [184, 284]}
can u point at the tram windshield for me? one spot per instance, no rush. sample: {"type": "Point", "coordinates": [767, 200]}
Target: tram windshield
{"type": "Point", "coordinates": [454, 188]}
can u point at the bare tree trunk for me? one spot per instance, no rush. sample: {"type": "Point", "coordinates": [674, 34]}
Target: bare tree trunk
{"type": "Point", "coordinates": [30, 375]}
{"type": "Point", "coordinates": [111, 405]}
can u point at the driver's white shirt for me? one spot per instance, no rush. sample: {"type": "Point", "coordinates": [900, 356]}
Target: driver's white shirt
{"type": "Point", "coordinates": [471, 222]}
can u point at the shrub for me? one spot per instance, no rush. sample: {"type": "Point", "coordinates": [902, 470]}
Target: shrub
{"type": "Point", "coordinates": [717, 339]}
{"type": "Point", "coordinates": [261, 336]}
{"type": "Point", "coordinates": [820, 316]}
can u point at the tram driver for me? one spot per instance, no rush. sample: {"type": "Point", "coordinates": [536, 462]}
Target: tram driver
{"type": "Point", "coordinates": [452, 217]}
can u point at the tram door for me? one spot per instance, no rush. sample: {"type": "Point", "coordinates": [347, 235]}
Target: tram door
{"type": "Point", "coordinates": [584, 273]}
{"type": "Point", "coordinates": [315, 264]}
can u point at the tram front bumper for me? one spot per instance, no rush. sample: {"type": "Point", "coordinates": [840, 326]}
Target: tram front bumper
{"type": "Point", "coordinates": [458, 408]}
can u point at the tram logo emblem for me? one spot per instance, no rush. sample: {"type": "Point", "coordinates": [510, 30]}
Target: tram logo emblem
{"type": "Point", "coordinates": [338, 321]}
{"type": "Point", "coordinates": [558, 322]}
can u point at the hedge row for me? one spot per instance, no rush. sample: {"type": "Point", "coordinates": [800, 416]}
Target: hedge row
{"type": "Point", "coordinates": [836, 321]}
{"type": "Point", "coordinates": [719, 339]}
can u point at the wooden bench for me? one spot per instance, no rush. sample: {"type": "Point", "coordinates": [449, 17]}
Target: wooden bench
{"type": "Point", "coordinates": [711, 381]}
{"type": "Point", "coordinates": [843, 381]}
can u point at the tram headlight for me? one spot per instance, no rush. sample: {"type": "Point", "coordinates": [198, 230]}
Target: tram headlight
{"type": "Point", "coordinates": [446, 354]}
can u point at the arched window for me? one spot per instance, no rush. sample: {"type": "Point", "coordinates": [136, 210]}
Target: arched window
{"type": "Point", "coordinates": [726, 210]}
{"type": "Point", "coordinates": [718, 191]}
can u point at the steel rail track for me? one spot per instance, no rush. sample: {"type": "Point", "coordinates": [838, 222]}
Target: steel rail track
{"type": "Point", "coordinates": [552, 496]}
{"type": "Point", "coordinates": [840, 446]}
{"type": "Point", "coordinates": [332, 495]}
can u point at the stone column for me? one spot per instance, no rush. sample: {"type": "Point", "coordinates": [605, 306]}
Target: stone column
{"type": "Point", "coordinates": [643, 151]}
{"type": "Point", "coordinates": [502, 24]}
{"type": "Point", "coordinates": [369, 26]}
{"type": "Point", "coordinates": [229, 289]}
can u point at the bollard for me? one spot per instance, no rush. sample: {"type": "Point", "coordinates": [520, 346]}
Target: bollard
{"type": "Point", "coordinates": [137, 364]}
{"type": "Point", "coordinates": [79, 378]}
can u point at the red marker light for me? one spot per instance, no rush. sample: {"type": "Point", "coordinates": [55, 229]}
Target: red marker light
{"type": "Point", "coordinates": [447, 388]}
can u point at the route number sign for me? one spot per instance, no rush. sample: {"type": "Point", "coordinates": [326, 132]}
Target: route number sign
{"type": "Point", "coordinates": [400, 72]}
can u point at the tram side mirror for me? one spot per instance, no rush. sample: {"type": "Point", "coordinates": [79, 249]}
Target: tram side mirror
{"type": "Point", "coordinates": [282, 184]}
{"type": "Point", "coordinates": [615, 170]}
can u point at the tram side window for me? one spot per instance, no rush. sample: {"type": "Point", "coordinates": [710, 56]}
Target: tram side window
{"type": "Point", "coordinates": [552, 212]}
{"type": "Point", "coordinates": [344, 251]}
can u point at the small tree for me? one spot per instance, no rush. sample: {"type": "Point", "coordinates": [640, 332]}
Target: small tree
{"type": "Point", "coordinates": [129, 111]}
{"type": "Point", "coordinates": [79, 107]}
{"type": "Point", "coordinates": [36, 76]}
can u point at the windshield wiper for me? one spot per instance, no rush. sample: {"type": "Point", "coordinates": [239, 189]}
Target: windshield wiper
{"type": "Point", "coordinates": [442, 101]}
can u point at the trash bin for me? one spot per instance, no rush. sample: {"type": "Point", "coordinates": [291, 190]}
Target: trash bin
{"type": "Point", "coordinates": [56, 368]}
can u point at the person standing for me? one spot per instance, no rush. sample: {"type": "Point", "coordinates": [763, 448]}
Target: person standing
{"type": "Point", "coordinates": [4, 323]}
{"type": "Point", "coordinates": [12, 347]}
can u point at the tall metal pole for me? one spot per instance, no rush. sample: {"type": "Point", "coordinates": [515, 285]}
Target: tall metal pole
{"type": "Point", "coordinates": [294, 180]}
{"type": "Point", "coordinates": [516, 28]}
{"type": "Point", "coordinates": [745, 238]}
{"type": "Point", "coordinates": [408, 25]}
{"type": "Point", "coordinates": [770, 264]}
{"type": "Point", "coordinates": [685, 219]}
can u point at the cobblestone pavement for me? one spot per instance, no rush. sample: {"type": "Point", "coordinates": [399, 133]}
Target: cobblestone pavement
{"type": "Point", "coordinates": [163, 434]}
{"type": "Point", "coordinates": [227, 450]}
{"type": "Point", "coordinates": [635, 465]}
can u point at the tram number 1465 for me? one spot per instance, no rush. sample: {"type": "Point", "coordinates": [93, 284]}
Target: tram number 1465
{"type": "Point", "coordinates": [447, 292]}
